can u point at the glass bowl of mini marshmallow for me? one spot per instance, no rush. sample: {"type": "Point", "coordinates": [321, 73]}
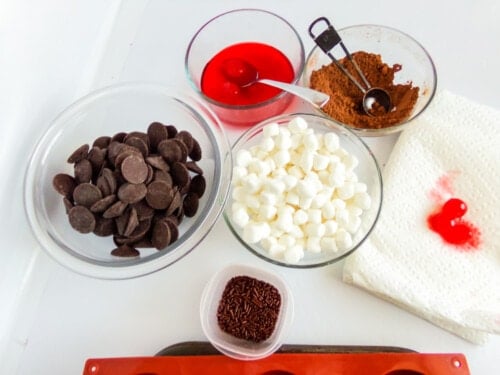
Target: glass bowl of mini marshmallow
{"type": "Point", "coordinates": [305, 191]}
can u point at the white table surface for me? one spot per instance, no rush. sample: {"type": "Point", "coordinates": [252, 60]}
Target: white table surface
{"type": "Point", "coordinates": [53, 52]}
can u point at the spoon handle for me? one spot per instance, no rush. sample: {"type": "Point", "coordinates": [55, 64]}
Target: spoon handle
{"type": "Point", "coordinates": [327, 40]}
{"type": "Point", "coordinates": [314, 97]}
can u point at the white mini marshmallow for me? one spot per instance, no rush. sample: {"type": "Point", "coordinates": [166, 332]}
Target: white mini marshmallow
{"type": "Point", "coordinates": [346, 191]}
{"type": "Point", "coordinates": [283, 139]}
{"type": "Point", "coordinates": [254, 232]}
{"type": "Point", "coordinates": [314, 229]}
{"type": "Point", "coordinates": [268, 198]}
{"type": "Point", "coordinates": [314, 215]}
{"type": "Point", "coordinates": [362, 200]}
{"type": "Point", "coordinates": [306, 161]}
{"type": "Point", "coordinates": [271, 130]}
{"type": "Point", "coordinates": [268, 242]}
{"type": "Point", "coordinates": [292, 198]}
{"type": "Point", "coordinates": [284, 221]}
{"type": "Point", "coordinates": [287, 240]}
{"type": "Point", "coordinates": [305, 189]}
{"type": "Point", "coordinates": [252, 201]}
{"type": "Point", "coordinates": [298, 125]}
{"type": "Point", "coordinates": [267, 144]}
{"type": "Point", "coordinates": [313, 244]}
{"type": "Point", "coordinates": [311, 142]}
{"type": "Point", "coordinates": [300, 217]}
{"type": "Point", "coordinates": [328, 210]}
{"type": "Point", "coordinates": [240, 217]}
{"type": "Point", "coordinates": [319, 200]}
{"type": "Point", "coordinates": [320, 162]}
{"type": "Point", "coordinates": [294, 254]}
{"type": "Point", "coordinates": [331, 141]}
{"type": "Point", "coordinates": [328, 244]}
{"type": "Point", "coordinates": [281, 158]}
{"type": "Point", "coordinates": [353, 224]}
{"type": "Point", "coordinates": [289, 181]}
{"type": "Point", "coordinates": [238, 173]}
{"type": "Point", "coordinates": [238, 194]}
{"type": "Point", "coordinates": [331, 227]}
{"type": "Point", "coordinates": [296, 171]}
{"type": "Point", "coordinates": [274, 186]}
{"type": "Point", "coordinates": [343, 239]}
{"type": "Point", "coordinates": [267, 212]}
{"type": "Point", "coordinates": [350, 161]}
{"type": "Point", "coordinates": [342, 217]}
{"type": "Point", "coordinates": [251, 183]}
{"type": "Point", "coordinates": [243, 157]}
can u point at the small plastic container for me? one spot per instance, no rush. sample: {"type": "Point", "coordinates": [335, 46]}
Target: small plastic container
{"type": "Point", "coordinates": [228, 344]}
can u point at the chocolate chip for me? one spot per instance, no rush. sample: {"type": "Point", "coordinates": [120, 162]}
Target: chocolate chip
{"type": "Point", "coordinates": [180, 174]}
{"type": "Point", "coordinates": [81, 219]}
{"type": "Point", "coordinates": [156, 133]}
{"type": "Point", "coordinates": [104, 227]}
{"type": "Point", "coordinates": [114, 149]}
{"type": "Point", "coordinates": [102, 142]}
{"type": "Point", "coordinates": [183, 148]}
{"type": "Point", "coordinates": [86, 194]}
{"type": "Point", "coordinates": [97, 157]}
{"type": "Point", "coordinates": [126, 151]}
{"type": "Point", "coordinates": [134, 169]}
{"type": "Point", "coordinates": [175, 203]}
{"type": "Point", "coordinates": [103, 204]}
{"type": "Point", "coordinates": [158, 162]}
{"type": "Point", "coordinates": [144, 211]}
{"type": "Point", "coordinates": [132, 193]}
{"type": "Point", "coordinates": [190, 204]}
{"type": "Point", "coordinates": [139, 144]}
{"type": "Point", "coordinates": [83, 171]}
{"type": "Point", "coordinates": [198, 185]}
{"type": "Point", "coordinates": [67, 204]}
{"type": "Point", "coordinates": [193, 167]}
{"type": "Point", "coordinates": [125, 251]}
{"type": "Point", "coordinates": [103, 186]}
{"type": "Point", "coordinates": [171, 130]}
{"type": "Point", "coordinates": [163, 176]}
{"type": "Point", "coordinates": [173, 225]}
{"type": "Point", "coordinates": [132, 223]}
{"type": "Point", "coordinates": [160, 237]}
{"type": "Point", "coordinates": [115, 210]}
{"type": "Point", "coordinates": [195, 153]}
{"type": "Point", "coordinates": [142, 135]}
{"type": "Point", "coordinates": [111, 180]}
{"type": "Point", "coordinates": [186, 138]}
{"type": "Point", "coordinates": [64, 184]}
{"type": "Point", "coordinates": [79, 154]}
{"type": "Point", "coordinates": [170, 150]}
{"type": "Point", "coordinates": [159, 195]}
{"type": "Point", "coordinates": [118, 137]}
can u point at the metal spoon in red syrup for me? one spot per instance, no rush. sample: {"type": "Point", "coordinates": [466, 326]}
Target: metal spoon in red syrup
{"type": "Point", "coordinates": [243, 74]}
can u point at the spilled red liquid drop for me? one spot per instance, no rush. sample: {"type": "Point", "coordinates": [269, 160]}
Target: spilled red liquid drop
{"type": "Point", "coordinates": [449, 223]}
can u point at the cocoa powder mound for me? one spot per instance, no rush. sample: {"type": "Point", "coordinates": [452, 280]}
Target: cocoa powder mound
{"type": "Point", "coordinates": [346, 100]}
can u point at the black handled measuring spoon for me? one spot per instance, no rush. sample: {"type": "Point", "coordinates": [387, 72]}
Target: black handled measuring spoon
{"type": "Point", "coordinates": [373, 97]}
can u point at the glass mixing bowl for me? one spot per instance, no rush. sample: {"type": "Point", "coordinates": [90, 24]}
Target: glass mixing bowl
{"type": "Point", "coordinates": [394, 47]}
{"type": "Point", "coordinates": [122, 108]}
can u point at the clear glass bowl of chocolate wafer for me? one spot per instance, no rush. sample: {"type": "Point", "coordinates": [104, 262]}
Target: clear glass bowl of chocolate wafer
{"type": "Point", "coordinates": [127, 180]}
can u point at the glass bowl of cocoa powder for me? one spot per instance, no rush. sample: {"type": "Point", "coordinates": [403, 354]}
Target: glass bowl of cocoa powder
{"type": "Point", "coordinates": [127, 180]}
{"type": "Point", "coordinates": [390, 59]}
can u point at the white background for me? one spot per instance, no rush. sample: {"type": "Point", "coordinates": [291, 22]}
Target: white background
{"type": "Point", "coordinates": [53, 52]}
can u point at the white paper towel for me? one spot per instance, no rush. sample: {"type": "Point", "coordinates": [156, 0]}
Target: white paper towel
{"type": "Point", "coordinates": [453, 149]}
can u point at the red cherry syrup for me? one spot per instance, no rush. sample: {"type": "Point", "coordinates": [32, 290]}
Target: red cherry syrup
{"type": "Point", "coordinates": [226, 76]}
{"type": "Point", "coordinates": [449, 223]}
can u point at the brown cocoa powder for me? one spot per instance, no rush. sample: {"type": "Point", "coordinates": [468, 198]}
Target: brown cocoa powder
{"type": "Point", "coordinates": [345, 104]}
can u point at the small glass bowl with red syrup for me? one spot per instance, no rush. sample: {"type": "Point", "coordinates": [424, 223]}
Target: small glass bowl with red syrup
{"type": "Point", "coordinates": [231, 345]}
{"type": "Point", "coordinates": [257, 40]}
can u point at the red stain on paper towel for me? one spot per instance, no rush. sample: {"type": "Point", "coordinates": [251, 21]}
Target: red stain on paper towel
{"type": "Point", "coordinates": [448, 220]}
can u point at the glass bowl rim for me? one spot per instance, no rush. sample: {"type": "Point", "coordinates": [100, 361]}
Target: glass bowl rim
{"type": "Point", "coordinates": [363, 145]}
